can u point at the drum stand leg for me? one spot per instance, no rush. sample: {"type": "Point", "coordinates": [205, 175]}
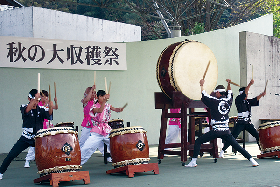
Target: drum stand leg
{"type": "Point", "coordinates": [55, 178]}
{"type": "Point", "coordinates": [130, 170]}
{"type": "Point", "coordinates": [272, 154]}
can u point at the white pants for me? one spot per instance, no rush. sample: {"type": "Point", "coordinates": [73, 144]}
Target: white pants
{"type": "Point", "coordinates": [31, 154]}
{"type": "Point", "coordinates": [85, 133]}
{"type": "Point", "coordinates": [173, 133]}
{"type": "Point", "coordinates": [91, 144]}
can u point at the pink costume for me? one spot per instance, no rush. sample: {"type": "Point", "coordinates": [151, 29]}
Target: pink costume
{"type": "Point", "coordinates": [87, 122]}
{"type": "Point", "coordinates": [101, 120]}
{"type": "Point", "coordinates": [175, 121]}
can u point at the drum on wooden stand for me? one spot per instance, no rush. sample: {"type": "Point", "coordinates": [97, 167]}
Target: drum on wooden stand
{"type": "Point", "coordinates": [116, 123]}
{"type": "Point", "coordinates": [57, 150]}
{"type": "Point", "coordinates": [129, 146]}
{"type": "Point", "coordinates": [181, 66]}
{"type": "Point", "coordinates": [269, 137]}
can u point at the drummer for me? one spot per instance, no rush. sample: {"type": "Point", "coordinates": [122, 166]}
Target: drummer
{"type": "Point", "coordinates": [44, 102]}
{"type": "Point", "coordinates": [33, 117]}
{"type": "Point", "coordinates": [243, 106]}
{"type": "Point", "coordinates": [88, 100]}
{"type": "Point", "coordinates": [100, 112]}
{"type": "Point", "coordinates": [219, 108]}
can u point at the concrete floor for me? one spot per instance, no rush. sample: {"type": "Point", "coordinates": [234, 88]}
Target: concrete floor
{"type": "Point", "coordinates": [233, 170]}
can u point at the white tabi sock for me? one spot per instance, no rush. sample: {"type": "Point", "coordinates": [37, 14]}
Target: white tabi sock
{"type": "Point", "coordinates": [192, 163]}
{"type": "Point", "coordinates": [221, 154]}
{"type": "Point", "coordinates": [254, 163]}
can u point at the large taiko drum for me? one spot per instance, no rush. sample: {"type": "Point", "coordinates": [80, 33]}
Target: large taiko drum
{"type": "Point", "coordinates": [181, 66]}
{"type": "Point", "coordinates": [269, 136]}
{"type": "Point", "coordinates": [129, 146]}
{"type": "Point", "coordinates": [57, 150]}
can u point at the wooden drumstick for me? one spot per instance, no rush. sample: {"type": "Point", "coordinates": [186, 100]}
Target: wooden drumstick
{"type": "Point", "coordinates": [38, 83]}
{"type": "Point", "coordinates": [265, 86]}
{"type": "Point", "coordinates": [106, 86]}
{"type": "Point", "coordinates": [124, 105]}
{"type": "Point", "coordinates": [206, 70]}
{"type": "Point", "coordinates": [109, 88]}
{"type": "Point", "coordinates": [49, 92]}
{"type": "Point", "coordinates": [54, 90]}
{"type": "Point", "coordinates": [234, 84]}
{"type": "Point", "coordinates": [94, 77]}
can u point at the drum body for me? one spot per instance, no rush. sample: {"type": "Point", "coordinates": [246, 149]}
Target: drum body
{"type": "Point", "coordinates": [65, 124]}
{"type": "Point", "coordinates": [116, 123]}
{"type": "Point", "coordinates": [182, 65]}
{"type": "Point", "coordinates": [129, 146]}
{"type": "Point", "coordinates": [269, 136]}
{"type": "Point", "coordinates": [57, 150]}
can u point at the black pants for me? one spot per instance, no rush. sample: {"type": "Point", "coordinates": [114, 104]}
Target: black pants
{"type": "Point", "coordinates": [19, 146]}
{"type": "Point", "coordinates": [225, 135]}
{"type": "Point", "coordinates": [240, 126]}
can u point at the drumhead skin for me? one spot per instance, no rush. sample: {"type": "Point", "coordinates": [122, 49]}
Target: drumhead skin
{"type": "Point", "coordinates": [182, 65]}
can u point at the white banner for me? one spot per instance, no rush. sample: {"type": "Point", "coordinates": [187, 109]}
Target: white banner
{"type": "Point", "coordinates": [19, 52]}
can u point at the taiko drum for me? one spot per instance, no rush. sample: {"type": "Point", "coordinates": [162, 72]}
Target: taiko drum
{"type": "Point", "coordinates": [269, 136]}
{"type": "Point", "coordinates": [129, 146]}
{"type": "Point", "coordinates": [182, 65]}
{"type": "Point", "coordinates": [57, 150]}
{"type": "Point", "coordinates": [65, 124]}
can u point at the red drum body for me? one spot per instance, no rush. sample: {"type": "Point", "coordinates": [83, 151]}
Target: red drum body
{"type": "Point", "coordinates": [57, 150]}
{"type": "Point", "coordinates": [129, 146]}
{"type": "Point", "coordinates": [116, 123]}
{"type": "Point", "coordinates": [65, 124]}
{"type": "Point", "coordinates": [181, 66]}
{"type": "Point", "coordinates": [269, 136]}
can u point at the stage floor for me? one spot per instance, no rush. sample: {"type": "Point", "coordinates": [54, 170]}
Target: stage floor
{"type": "Point", "coordinates": [232, 170]}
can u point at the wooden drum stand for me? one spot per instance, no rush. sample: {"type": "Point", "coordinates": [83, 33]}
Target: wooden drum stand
{"type": "Point", "coordinates": [187, 143]}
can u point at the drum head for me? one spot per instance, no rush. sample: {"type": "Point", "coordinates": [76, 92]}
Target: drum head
{"type": "Point", "coordinates": [187, 65]}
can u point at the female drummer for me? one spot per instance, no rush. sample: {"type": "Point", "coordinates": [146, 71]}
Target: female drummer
{"type": "Point", "coordinates": [33, 117]}
{"type": "Point", "coordinates": [100, 112]}
{"type": "Point", "coordinates": [243, 106]}
{"type": "Point", "coordinates": [44, 102]}
{"type": "Point", "coordinates": [219, 108]}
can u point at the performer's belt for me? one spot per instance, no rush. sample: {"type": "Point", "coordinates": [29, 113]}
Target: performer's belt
{"type": "Point", "coordinates": [220, 127]}
{"type": "Point", "coordinates": [27, 135]}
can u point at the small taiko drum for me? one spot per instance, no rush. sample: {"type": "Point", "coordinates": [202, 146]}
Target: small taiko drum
{"type": "Point", "coordinates": [129, 146]}
{"type": "Point", "coordinates": [65, 124]}
{"type": "Point", "coordinates": [116, 123]}
{"type": "Point", "coordinates": [269, 136]}
{"type": "Point", "coordinates": [182, 65]}
{"type": "Point", "coordinates": [57, 150]}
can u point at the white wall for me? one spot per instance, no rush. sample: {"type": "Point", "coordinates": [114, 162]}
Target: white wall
{"type": "Point", "coordinates": [136, 85]}
{"type": "Point", "coordinates": [51, 24]}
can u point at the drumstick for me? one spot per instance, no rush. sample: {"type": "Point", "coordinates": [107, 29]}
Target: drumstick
{"type": "Point", "coordinates": [109, 88]}
{"type": "Point", "coordinates": [94, 77]}
{"type": "Point", "coordinates": [54, 90]}
{"type": "Point", "coordinates": [39, 82]}
{"type": "Point", "coordinates": [234, 84]}
{"type": "Point", "coordinates": [106, 86]}
{"type": "Point", "coordinates": [265, 86]}
{"type": "Point", "coordinates": [124, 106]}
{"type": "Point", "coordinates": [206, 70]}
{"type": "Point", "coordinates": [49, 92]}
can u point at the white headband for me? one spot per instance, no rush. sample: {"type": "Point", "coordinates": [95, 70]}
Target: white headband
{"type": "Point", "coordinates": [241, 92]}
{"type": "Point", "coordinates": [220, 90]}
{"type": "Point", "coordinates": [30, 96]}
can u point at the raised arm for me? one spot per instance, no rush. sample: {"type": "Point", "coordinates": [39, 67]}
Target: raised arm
{"type": "Point", "coordinates": [248, 87]}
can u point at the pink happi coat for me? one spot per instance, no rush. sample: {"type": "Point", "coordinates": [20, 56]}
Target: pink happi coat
{"type": "Point", "coordinates": [175, 121]}
{"type": "Point", "coordinates": [88, 121]}
{"type": "Point", "coordinates": [101, 119]}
